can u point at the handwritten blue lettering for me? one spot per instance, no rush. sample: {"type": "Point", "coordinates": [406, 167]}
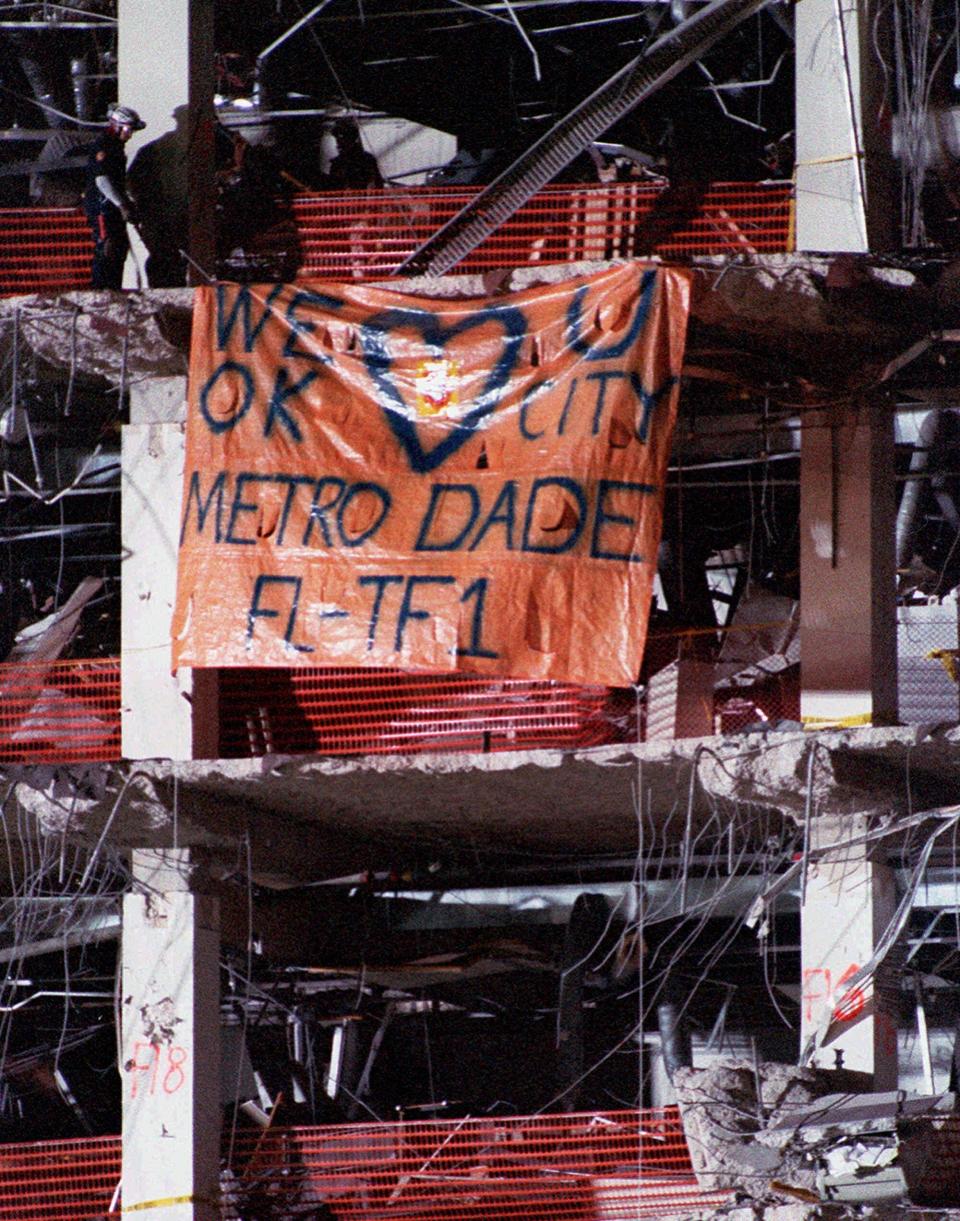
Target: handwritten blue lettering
{"type": "Point", "coordinates": [602, 518]}
{"type": "Point", "coordinates": [619, 347]}
{"type": "Point", "coordinates": [258, 611]}
{"type": "Point", "coordinates": [408, 611]}
{"type": "Point", "coordinates": [241, 308]}
{"type": "Point", "coordinates": [246, 377]}
{"type": "Point", "coordinates": [442, 492]}
{"type": "Point", "coordinates": [569, 485]}
{"type": "Point", "coordinates": [203, 506]}
{"type": "Point", "coordinates": [303, 326]}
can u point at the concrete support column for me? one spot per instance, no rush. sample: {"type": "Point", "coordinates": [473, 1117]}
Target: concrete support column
{"type": "Point", "coordinates": [164, 714]}
{"type": "Point", "coordinates": [166, 70]}
{"type": "Point", "coordinates": [850, 899]}
{"type": "Point", "coordinates": [170, 1042]}
{"type": "Point", "coordinates": [847, 184]}
{"type": "Point", "coordinates": [848, 640]}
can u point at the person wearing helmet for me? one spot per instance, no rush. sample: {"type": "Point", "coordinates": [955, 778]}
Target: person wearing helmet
{"type": "Point", "coordinates": [106, 202]}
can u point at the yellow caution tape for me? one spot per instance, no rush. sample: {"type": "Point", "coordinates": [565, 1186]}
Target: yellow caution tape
{"type": "Point", "coordinates": [948, 659]}
{"type": "Point", "coordinates": [168, 1202]}
{"type": "Point", "coordinates": [829, 722]}
{"type": "Point", "coordinates": [832, 160]}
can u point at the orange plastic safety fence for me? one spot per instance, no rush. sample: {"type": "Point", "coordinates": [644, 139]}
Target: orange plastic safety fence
{"type": "Point", "coordinates": [70, 711]}
{"type": "Point", "coordinates": [60, 711]}
{"type": "Point", "coordinates": [594, 1166]}
{"type": "Point", "coordinates": [622, 1164]}
{"type": "Point", "coordinates": [62, 1180]}
{"type": "Point", "coordinates": [44, 250]}
{"type": "Point", "coordinates": [365, 234]}
{"type": "Point", "coordinates": [373, 711]}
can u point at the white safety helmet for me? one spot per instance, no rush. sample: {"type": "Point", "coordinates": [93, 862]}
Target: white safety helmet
{"type": "Point", "coordinates": [125, 116]}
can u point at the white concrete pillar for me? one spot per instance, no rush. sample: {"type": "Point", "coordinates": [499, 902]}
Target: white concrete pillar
{"type": "Point", "coordinates": [848, 643]}
{"type": "Point", "coordinates": [164, 713]}
{"type": "Point", "coordinates": [849, 902]}
{"type": "Point", "coordinates": [166, 71]}
{"type": "Point", "coordinates": [847, 186]}
{"type": "Point", "coordinates": [170, 1043]}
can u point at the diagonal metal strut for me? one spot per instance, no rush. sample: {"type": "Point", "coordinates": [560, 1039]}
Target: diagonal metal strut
{"type": "Point", "coordinates": [640, 78]}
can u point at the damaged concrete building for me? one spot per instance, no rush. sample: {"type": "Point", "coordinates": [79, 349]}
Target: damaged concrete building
{"type": "Point", "coordinates": [660, 918]}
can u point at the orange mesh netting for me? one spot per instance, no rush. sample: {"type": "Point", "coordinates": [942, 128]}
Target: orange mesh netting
{"type": "Point", "coordinates": [70, 710]}
{"type": "Point", "coordinates": [44, 250]}
{"type": "Point", "coordinates": [373, 711]}
{"type": "Point", "coordinates": [60, 711]}
{"type": "Point", "coordinates": [583, 1167]}
{"type": "Point", "coordinates": [365, 234]}
{"type": "Point", "coordinates": [62, 1180]}
{"type": "Point", "coordinates": [595, 1166]}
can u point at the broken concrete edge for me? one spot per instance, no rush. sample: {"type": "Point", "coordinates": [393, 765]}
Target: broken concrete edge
{"type": "Point", "coordinates": [147, 331]}
{"type": "Point", "coordinates": [774, 1209]}
{"type": "Point", "coordinates": [771, 1130]}
{"type": "Point", "coordinates": [296, 808]}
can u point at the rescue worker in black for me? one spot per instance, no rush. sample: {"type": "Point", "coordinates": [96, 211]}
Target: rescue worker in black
{"type": "Point", "coordinates": [106, 202]}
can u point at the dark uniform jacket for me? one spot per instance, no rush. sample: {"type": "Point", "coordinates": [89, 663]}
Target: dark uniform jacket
{"type": "Point", "coordinates": [106, 159]}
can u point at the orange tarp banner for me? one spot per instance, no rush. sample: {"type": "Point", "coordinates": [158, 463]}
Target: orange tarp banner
{"type": "Point", "coordinates": [374, 478]}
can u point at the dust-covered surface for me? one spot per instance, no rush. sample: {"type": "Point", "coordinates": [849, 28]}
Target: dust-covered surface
{"type": "Point", "coordinates": [102, 336]}
{"type": "Point", "coordinates": [724, 1117]}
{"type": "Point", "coordinates": [356, 812]}
{"type": "Point", "coordinates": [836, 319]}
{"type": "Point", "coordinates": [773, 1133]}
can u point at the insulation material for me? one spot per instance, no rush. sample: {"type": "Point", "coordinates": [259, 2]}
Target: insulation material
{"type": "Point", "coordinates": [386, 480]}
{"type": "Point", "coordinates": [46, 639]}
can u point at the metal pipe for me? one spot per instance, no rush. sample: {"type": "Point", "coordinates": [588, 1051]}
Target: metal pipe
{"type": "Point", "coordinates": [675, 1042]}
{"type": "Point", "coordinates": [923, 1035]}
{"type": "Point", "coordinates": [288, 34]}
{"type": "Point", "coordinates": [80, 77]}
{"type": "Point", "coordinates": [641, 78]}
{"type": "Point", "coordinates": [51, 945]}
{"type": "Point", "coordinates": [928, 461]}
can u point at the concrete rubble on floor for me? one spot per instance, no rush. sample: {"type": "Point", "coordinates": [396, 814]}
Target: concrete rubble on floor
{"type": "Point", "coordinates": [774, 1133]}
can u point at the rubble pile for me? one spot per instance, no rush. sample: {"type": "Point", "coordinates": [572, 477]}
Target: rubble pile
{"type": "Point", "coordinates": [724, 1116]}
{"type": "Point", "coordinates": [774, 1133]}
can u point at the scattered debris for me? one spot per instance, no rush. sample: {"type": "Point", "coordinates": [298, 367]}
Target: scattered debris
{"type": "Point", "coordinates": [810, 1134]}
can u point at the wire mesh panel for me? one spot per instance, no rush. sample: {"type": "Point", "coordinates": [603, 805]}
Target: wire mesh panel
{"type": "Point", "coordinates": [375, 711]}
{"type": "Point", "coordinates": [934, 1165]}
{"type": "Point", "coordinates": [60, 711]}
{"type": "Point", "coordinates": [928, 636]}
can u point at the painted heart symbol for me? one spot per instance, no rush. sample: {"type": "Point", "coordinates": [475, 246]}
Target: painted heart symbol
{"type": "Point", "coordinates": [374, 337]}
